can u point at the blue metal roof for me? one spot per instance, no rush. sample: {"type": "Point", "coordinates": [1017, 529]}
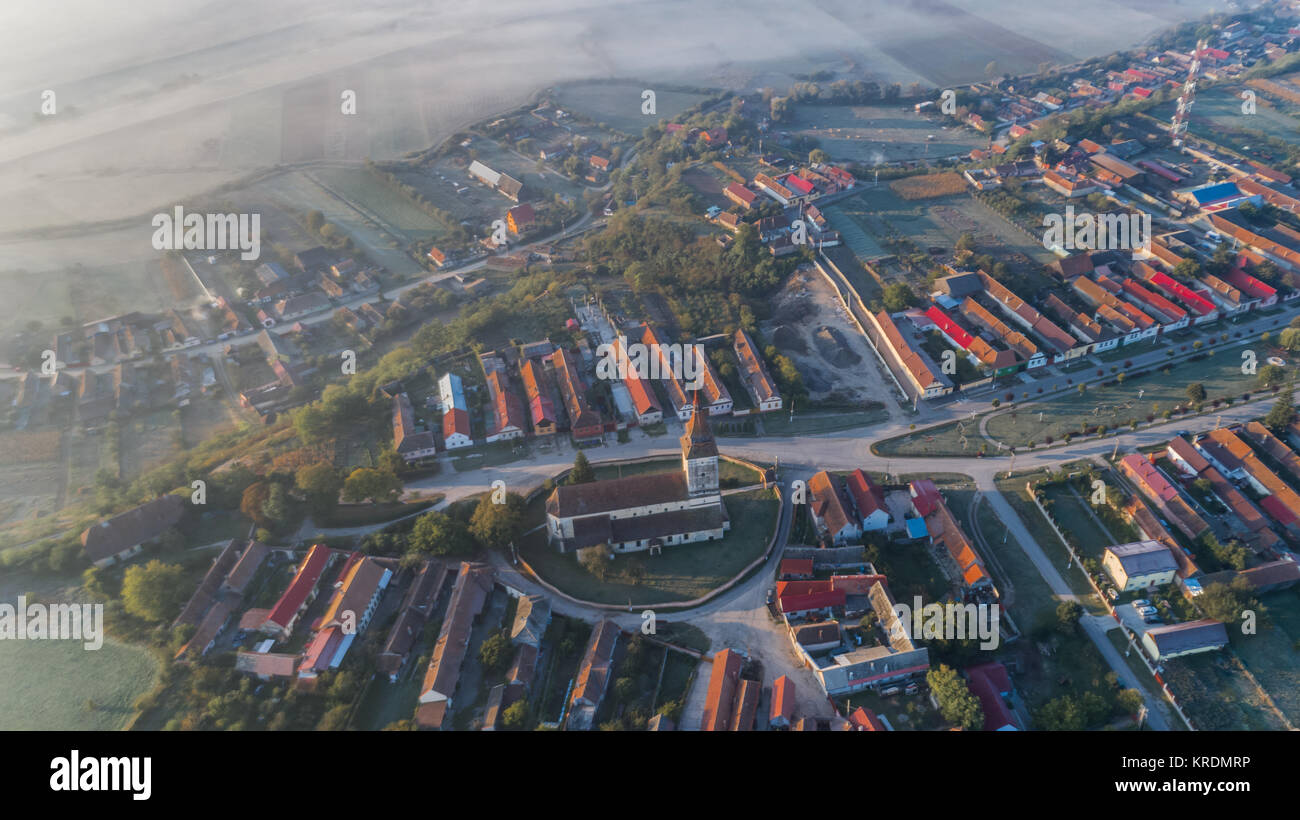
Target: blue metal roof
{"type": "Point", "coordinates": [916, 528]}
{"type": "Point", "coordinates": [1215, 193]}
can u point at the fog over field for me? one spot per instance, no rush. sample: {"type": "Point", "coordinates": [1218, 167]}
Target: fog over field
{"type": "Point", "coordinates": [159, 100]}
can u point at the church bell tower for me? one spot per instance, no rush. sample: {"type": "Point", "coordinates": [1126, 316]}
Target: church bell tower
{"type": "Point", "coordinates": [699, 452]}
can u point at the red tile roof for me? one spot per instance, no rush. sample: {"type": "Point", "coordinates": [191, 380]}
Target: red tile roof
{"type": "Point", "coordinates": [782, 699]}
{"type": "Point", "coordinates": [867, 495]}
{"type": "Point", "coordinates": [796, 566]}
{"type": "Point", "coordinates": [456, 421]}
{"type": "Point", "coordinates": [1190, 298]}
{"type": "Point", "coordinates": [953, 330]}
{"type": "Point", "coordinates": [722, 690]}
{"type": "Point", "coordinates": [302, 585]}
{"type": "Point", "coordinates": [865, 721]}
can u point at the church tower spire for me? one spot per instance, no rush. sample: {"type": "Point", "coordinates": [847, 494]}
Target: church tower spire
{"type": "Point", "coordinates": [699, 451]}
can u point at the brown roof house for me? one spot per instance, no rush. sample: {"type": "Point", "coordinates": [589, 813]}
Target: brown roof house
{"type": "Point", "coordinates": [468, 598]}
{"type": "Point", "coordinates": [124, 535]}
{"type": "Point", "coordinates": [593, 676]}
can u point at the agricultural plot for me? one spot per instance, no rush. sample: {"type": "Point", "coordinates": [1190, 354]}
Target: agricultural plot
{"type": "Point", "coordinates": [28, 490]}
{"type": "Point", "coordinates": [618, 105]}
{"type": "Point", "coordinates": [877, 134]}
{"type": "Point", "coordinates": [375, 197]}
{"type": "Point", "coordinates": [148, 441]}
{"type": "Point", "coordinates": [1216, 695]}
{"type": "Point", "coordinates": [302, 191]}
{"type": "Point", "coordinates": [59, 686]}
{"type": "Point", "coordinates": [1218, 117]}
{"type": "Point", "coordinates": [932, 225]}
{"type": "Point", "coordinates": [707, 182]}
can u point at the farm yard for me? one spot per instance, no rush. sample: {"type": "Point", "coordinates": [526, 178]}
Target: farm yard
{"type": "Point", "coordinates": [877, 134]}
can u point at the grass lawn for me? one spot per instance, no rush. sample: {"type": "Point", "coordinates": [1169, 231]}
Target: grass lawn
{"type": "Point", "coordinates": [1075, 520]}
{"type": "Point", "coordinates": [682, 572]}
{"type": "Point", "coordinates": [59, 686]}
{"type": "Point", "coordinates": [565, 641]}
{"type": "Point", "coordinates": [1028, 582]}
{"type": "Point", "coordinates": [1271, 654]}
{"type": "Point", "coordinates": [683, 634]}
{"type": "Point", "coordinates": [778, 423]}
{"type": "Point", "coordinates": [1116, 405]}
{"type": "Point", "coordinates": [1216, 695]}
{"type": "Point", "coordinates": [1144, 676]}
{"type": "Point", "coordinates": [957, 438]}
{"type": "Point", "coordinates": [359, 515]}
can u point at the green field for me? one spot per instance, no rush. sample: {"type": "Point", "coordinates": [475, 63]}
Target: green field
{"type": "Point", "coordinates": [1117, 405]}
{"type": "Point", "coordinates": [1218, 116]}
{"type": "Point", "coordinates": [375, 196]}
{"type": "Point", "coordinates": [681, 572]}
{"type": "Point", "coordinates": [940, 222]}
{"type": "Point", "coordinates": [618, 105]}
{"type": "Point", "coordinates": [61, 686]}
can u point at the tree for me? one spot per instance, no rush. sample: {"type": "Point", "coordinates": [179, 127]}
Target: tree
{"type": "Point", "coordinates": [898, 297]}
{"type": "Point", "coordinates": [1068, 614]}
{"type": "Point", "coordinates": [334, 720]}
{"type": "Point", "coordinates": [1271, 374]}
{"type": "Point", "coordinates": [321, 482]}
{"type": "Point", "coordinates": [1290, 338]}
{"type": "Point", "coordinates": [1187, 269]}
{"type": "Point", "coordinates": [956, 703]}
{"type": "Point", "coordinates": [153, 592]}
{"type": "Point", "coordinates": [253, 503]}
{"type": "Point", "coordinates": [437, 533]}
{"type": "Point", "coordinates": [1226, 602]}
{"type": "Point", "coordinates": [817, 155]}
{"type": "Point", "coordinates": [582, 472]}
{"type": "Point", "coordinates": [495, 525]}
{"type": "Point", "coordinates": [1282, 412]}
{"type": "Point", "coordinates": [595, 560]}
{"type": "Point", "coordinates": [495, 653]}
{"type": "Point", "coordinates": [515, 716]}
{"type": "Point", "coordinates": [1196, 392]}
{"type": "Point", "coordinates": [276, 506]}
{"type": "Point", "coordinates": [368, 482]}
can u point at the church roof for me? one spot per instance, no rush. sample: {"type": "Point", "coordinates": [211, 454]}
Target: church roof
{"type": "Point", "coordinates": [698, 441]}
{"type": "Point", "coordinates": [592, 498]}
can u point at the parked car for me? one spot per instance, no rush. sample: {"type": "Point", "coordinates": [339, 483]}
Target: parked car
{"type": "Point", "coordinates": [1141, 602]}
{"type": "Point", "coordinates": [1112, 593]}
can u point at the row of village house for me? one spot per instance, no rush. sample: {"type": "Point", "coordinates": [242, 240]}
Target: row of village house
{"type": "Point", "coordinates": [1123, 302]}
{"type": "Point", "coordinates": [546, 371]}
